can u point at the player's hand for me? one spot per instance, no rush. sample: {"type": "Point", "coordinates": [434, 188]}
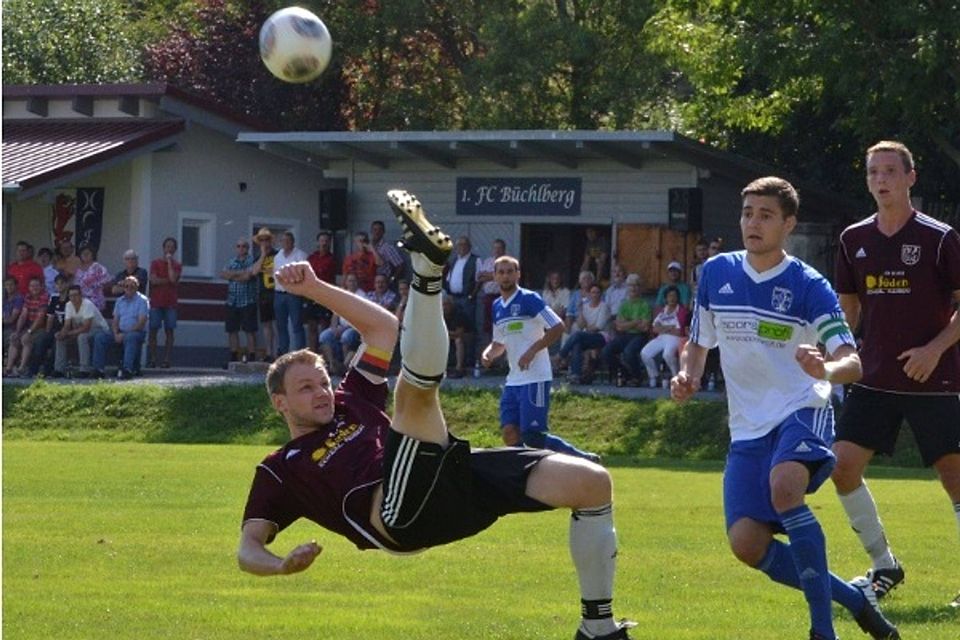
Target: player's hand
{"type": "Point", "coordinates": [300, 558]}
{"type": "Point", "coordinates": [524, 361]}
{"type": "Point", "coordinates": [811, 360]}
{"type": "Point", "coordinates": [920, 362]}
{"type": "Point", "coordinates": [682, 386]}
{"type": "Point", "coordinates": [297, 278]}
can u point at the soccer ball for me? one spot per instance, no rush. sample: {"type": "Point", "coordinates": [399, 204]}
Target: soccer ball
{"type": "Point", "coordinates": [295, 45]}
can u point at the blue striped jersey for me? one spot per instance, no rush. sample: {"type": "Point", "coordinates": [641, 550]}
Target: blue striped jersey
{"type": "Point", "coordinates": [517, 324]}
{"type": "Point", "coordinates": [758, 320]}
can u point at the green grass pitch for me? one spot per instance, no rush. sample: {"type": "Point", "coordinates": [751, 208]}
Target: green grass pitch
{"type": "Point", "coordinates": [130, 541]}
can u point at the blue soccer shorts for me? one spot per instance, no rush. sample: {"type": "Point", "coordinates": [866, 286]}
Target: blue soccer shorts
{"type": "Point", "coordinates": [526, 406]}
{"type": "Point", "coordinates": [805, 436]}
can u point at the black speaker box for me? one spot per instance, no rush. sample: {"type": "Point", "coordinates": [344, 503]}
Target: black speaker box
{"type": "Point", "coordinates": [333, 209]}
{"type": "Point", "coordinates": [686, 209]}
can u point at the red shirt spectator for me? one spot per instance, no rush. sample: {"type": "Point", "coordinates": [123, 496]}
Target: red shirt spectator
{"type": "Point", "coordinates": [164, 277]}
{"type": "Point", "coordinates": [24, 268]}
{"type": "Point", "coordinates": [322, 260]}
{"type": "Point", "coordinates": [363, 262]}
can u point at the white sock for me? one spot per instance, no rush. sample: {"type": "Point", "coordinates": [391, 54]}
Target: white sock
{"type": "Point", "coordinates": [593, 547]}
{"type": "Point", "coordinates": [865, 521]}
{"type": "Point", "coordinates": [424, 341]}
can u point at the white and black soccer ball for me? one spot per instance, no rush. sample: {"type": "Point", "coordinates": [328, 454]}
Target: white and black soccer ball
{"type": "Point", "coordinates": [295, 45]}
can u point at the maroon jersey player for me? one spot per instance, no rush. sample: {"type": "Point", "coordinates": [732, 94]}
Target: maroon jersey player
{"type": "Point", "coordinates": [405, 483]}
{"type": "Point", "coordinates": [898, 276]}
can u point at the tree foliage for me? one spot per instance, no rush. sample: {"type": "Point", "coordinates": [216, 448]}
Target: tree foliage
{"type": "Point", "coordinates": [816, 81]}
{"type": "Point", "coordinates": [69, 41]}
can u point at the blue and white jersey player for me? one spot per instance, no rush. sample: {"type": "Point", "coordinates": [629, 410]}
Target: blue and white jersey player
{"type": "Point", "coordinates": [524, 327]}
{"type": "Point", "coordinates": [767, 311]}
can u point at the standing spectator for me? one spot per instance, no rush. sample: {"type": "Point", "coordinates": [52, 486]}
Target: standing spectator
{"type": "Point", "coordinates": [24, 268]}
{"type": "Point", "coordinates": [66, 261]}
{"type": "Point", "coordinates": [363, 262]}
{"type": "Point", "coordinates": [81, 322]}
{"type": "Point", "coordinates": [674, 273]}
{"type": "Point", "coordinates": [130, 314]}
{"type": "Point", "coordinates": [131, 267]}
{"type": "Point", "coordinates": [592, 322]}
{"type": "Point", "coordinates": [164, 277]}
{"type": "Point", "coordinates": [631, 325]}
{"type": "Point", "coordinates": [700, 255]}
{"type": "Point", "coordinates": [391, 260]}
{"type": "Point", "coordinates": [287, 306]}
{"type": "Point", "coordinates": [523, 329]}
{"type": "Point", "coordinates": [898, 275]}
{"type": "Point", "coordinates": [241, 302]}
{"type": "Point", "coordinates": [715, 247]}
{"type": "Point", "coordinates": [266, 289]}
{"type": "Point", "coordinates": [616, 291]}
{"type": "Point", "coordinates": [30, 325]}
{"type": "Point", "coordinates": [325, 266]}
{"type": "Point", "coordinates": [92, 277]}
{"type": "Point", "coordinates": [12, 308]}
{"type": "Point", "coordinates": [50, 273]}
{"type": "Point", "coordinates": [668, 330]}
{"type": "Point", "coordinates": [459, 328]}
{"type": "Point", "coordinates": [596, 254]}
{"type": "Point", "coordinates": [44, 351]}
{"type": "Point", "coordinates": [460, 280]}
{"type": "Point", "coordinates": [488, 288]}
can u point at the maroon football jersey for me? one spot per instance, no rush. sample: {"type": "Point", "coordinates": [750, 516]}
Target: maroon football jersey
{"type": "Point", "coordinates": [905, 284]}
{"type": "Point", "coordinates": [329, 476]}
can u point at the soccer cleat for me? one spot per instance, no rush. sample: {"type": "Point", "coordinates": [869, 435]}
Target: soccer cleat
{"type": "Point", "coordinates": [885, 580]}
{"type": "Point", "coordinates": [419, 234]}
{"type": "Point", "coordinates": [619, 634]}
{"type": "Point", "coordinates": [955, 603]}
{"type": "Point", "coordinates": [870, 618]}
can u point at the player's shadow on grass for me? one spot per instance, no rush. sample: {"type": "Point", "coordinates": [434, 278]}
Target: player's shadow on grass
{"type": "Point", "coordinates": [923, 614]}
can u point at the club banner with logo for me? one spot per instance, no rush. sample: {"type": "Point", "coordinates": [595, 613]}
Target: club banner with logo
{"type": "Point", "coordinates": [78, 216]}
{"type": "Point", "coordinates": [518, 196]}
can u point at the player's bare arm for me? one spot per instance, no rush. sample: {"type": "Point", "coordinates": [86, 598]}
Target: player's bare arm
{"type": "Point", "coordinates": [687, 381]}
{"type": "Point", "coordinates": [844, 367]}
{"type": "Point", "coordinates": [375, 323]}
{"type": "Point", "coordinates": [493, 351]}
{"type": "Point", "coordinates": [254, 557]}
{"type": "Point", "coordinates": [550, 336]}
{"type": "Point", "coordinates": [921, 361]}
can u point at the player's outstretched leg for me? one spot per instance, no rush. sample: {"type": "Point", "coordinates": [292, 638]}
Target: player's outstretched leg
{"type": "Point", "coordinates": [424, 341]}
{"type": "Point", "coordinates": [857, 596]}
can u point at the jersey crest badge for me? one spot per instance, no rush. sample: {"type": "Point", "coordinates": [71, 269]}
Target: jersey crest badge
{"type": "Point", "coordinates": [782, 299]}
{"type": "Point", "coordinates": [861, 253]}
{"type": "Point", "coordinates": [910, 254]}
{"type": "Point", "coordinates": [515, 309]}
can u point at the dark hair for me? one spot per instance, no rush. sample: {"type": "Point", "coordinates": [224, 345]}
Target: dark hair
{"type": "Point", "coordinates": [74, 287]}
{"type": "Point", "coordinates": [361, 234]}
{"type": "Point", "coordinates": [88, 247]}
{"type": "Point", "coordinates": [668, 290]}
{"type": "Point", "coordinates": [779, 188]}
{"type": "Point", "coordinates": [278, 370]}
{"type": "Point", "coordinates": [45, 251]}
{"type": "Point", "coordinates": [170, 239]}
{"type": "Point", "coordinates": [60, 277]}
{"type": "Point", "coordinates": [323, 232]}
{"type": "Point", "coordinates": [378, 222]}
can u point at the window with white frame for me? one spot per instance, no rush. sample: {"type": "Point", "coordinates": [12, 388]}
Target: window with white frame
{"type": "Point", "coordinates": [198, 243]}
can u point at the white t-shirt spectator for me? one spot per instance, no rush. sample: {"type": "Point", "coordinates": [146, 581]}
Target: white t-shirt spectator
{"type": "Point", "coordinates": [86, 312]}
{"type": "Point", "coordinates": [281, 260]}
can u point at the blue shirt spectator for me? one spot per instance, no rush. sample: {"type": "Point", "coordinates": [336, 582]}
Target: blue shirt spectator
{"type": "Point", "coordinates": [131, 311]}
{"type": "Point", "coordinates": [241, 293]}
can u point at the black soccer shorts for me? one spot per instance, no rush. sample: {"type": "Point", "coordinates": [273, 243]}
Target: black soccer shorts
{"type": "Point", "coordinates": [872, 419]}
{"type": "Point", "coordinates": [433, 496]}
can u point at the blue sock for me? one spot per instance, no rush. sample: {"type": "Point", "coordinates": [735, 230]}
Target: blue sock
{"type": "Point", "coordinates": [778, 564]}
{"type": "Point", "coordinates": [809, 550]}
{"type": "Point", "coordinates": [545, 440]}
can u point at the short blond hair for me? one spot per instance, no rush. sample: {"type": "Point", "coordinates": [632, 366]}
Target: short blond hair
{"type": "Point", "coordinates": [895, 147]}
{"type": "Point", "coordinates": [506, 259]}
{"type": "Point", "coordinates": [278, 370]}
